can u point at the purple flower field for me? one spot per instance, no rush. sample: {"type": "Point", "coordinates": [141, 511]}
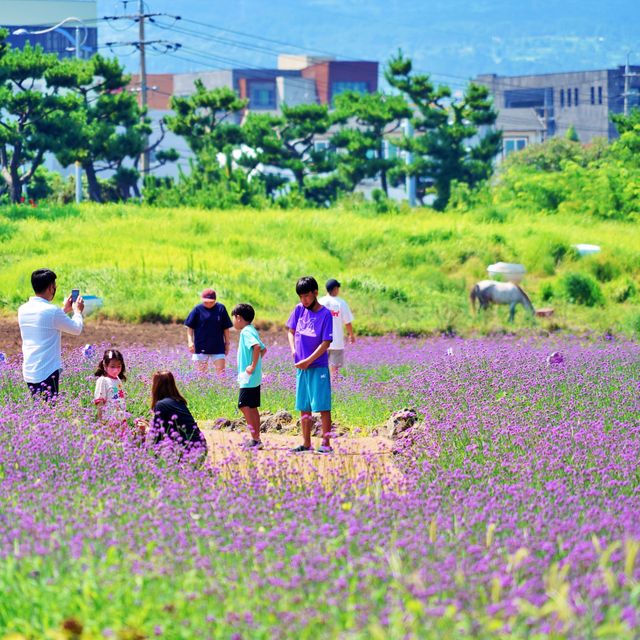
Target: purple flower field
{"type": "Point", "coordinates": [513, 510]}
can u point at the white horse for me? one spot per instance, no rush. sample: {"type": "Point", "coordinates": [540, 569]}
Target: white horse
{"type": "Point", "coordinates": [491, 291]}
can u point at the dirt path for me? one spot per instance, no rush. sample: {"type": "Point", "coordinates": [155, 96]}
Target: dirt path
{"type": "Point", "coordinates": [117, 334]}
{"type": "Point", "coordinates": [362, 458]}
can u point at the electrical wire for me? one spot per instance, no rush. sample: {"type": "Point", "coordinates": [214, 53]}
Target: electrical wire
{"type": "Point", "coordinates": [269, 73]}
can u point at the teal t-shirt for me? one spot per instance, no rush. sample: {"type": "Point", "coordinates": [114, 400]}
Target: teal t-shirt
{"type": "Point", "coordinates": [249, 337]}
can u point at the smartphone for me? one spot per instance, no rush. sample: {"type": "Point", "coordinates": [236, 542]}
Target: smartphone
{"type": "Point", "coordinates": [74, 294]}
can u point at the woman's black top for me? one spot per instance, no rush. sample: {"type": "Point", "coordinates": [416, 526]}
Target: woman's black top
{"type": "Point", "coordinates": [173, 417]}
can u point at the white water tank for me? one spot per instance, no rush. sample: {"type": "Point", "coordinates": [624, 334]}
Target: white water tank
{"type": "Point", "coordinates": [586, 249]}
{"type": "Point", "coordinates": [509, 271]}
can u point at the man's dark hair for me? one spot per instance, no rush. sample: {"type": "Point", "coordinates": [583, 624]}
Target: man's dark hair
{"type": "Point", "coordinates": [245, 311]}
{"type": "Point", "coordinates": [306, 284]}
{"type": "Point", "coordinates": [41, 279]}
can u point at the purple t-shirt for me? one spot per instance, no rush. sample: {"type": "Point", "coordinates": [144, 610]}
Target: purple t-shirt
{"type": "Point", "coordinates": [311, 329]}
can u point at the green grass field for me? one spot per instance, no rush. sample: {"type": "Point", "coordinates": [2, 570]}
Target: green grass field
{"type": "Point", "coordinates": [402, 272]}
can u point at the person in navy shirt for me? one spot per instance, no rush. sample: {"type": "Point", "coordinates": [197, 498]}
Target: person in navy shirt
{"type": "Point", "coordinates": [208, 327]}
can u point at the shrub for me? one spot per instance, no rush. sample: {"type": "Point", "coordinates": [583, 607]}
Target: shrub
{"type": "Point", "coordinates": [582, 289]}
{"type": "Point", "coordinates": [561, 250]}
{"type": "Point", "coordinates": [491, 214]}
{"type": "Point", "coordinates": [546, 292]}
{"type": "Point", "coordinates": [625, 291]}
{"type": "Point", "coordinates": [604, 270]}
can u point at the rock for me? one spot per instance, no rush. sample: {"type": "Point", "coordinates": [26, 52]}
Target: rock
{"type": "Point", "coordinates": [399, 422]}
{"type": "Point", "coordinates": [226, 424]}
{"type": "Point", "coordinates": [316, 427]}
{"type": "Point", "coordinates": [280, 421]}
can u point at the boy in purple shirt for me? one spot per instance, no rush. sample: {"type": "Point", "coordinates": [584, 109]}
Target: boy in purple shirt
{"type": "Point", "coordinates": [310, 334]}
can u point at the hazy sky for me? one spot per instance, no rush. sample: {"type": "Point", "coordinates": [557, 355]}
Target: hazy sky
{"type": "Point", "coordinates": [448, 38]}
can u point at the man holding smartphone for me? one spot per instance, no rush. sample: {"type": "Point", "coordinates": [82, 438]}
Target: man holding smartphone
{"type": "Point", "coordinates": [41, 327]}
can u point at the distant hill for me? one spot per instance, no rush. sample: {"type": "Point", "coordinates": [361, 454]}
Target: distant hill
{"type": "Point", "coordinates": [452, 39]}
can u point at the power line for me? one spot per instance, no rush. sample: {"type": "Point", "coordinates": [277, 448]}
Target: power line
{"type": "Point", "coordinates": [141, 44]}
{"type": "Point", "coordinates": [259, 71]}
{"type": "Point", "coordinates": [269, 73]}
{"type": "Point", "coordinates": [462, 82]}
{"type": "Point", "coordinates": [243, 45]}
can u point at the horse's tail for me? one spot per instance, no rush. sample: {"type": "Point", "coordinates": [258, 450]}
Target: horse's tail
{"type": "Point", "coordinates": [526, 302]}
{"type": "Point", "coordinates": [473, 296]}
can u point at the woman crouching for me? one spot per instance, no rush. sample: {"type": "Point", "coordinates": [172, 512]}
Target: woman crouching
{"type": "Point", "coordinates": [171, 416]}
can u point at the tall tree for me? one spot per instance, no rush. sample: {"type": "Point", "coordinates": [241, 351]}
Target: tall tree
{"type": "Point", "coordinates": [286, 142]}
{"type": "Point", "coordinates": [454, 138]}
{"type": "Point", "coordinates": [365, 119]}
{"type": "Point", "coordinates": [111, 128]}
{"type": "Point", "coordinates": [36, 114]}
{"type": "Point", "coordinates": [205, 120]}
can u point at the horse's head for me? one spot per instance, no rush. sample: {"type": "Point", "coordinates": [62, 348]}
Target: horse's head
{"type": "Point", "coordinates": [526, 302]}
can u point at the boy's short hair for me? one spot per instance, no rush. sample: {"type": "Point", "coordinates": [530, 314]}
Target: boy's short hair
{"type": "Point", "coordinates": [306, 284]}
{"type": "Point", "coordinates": [245, 311]}
{"type": "Point", "coordinates": [41, 279]}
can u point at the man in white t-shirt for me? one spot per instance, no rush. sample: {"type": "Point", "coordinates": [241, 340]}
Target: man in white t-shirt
{"type": "Point", "coordinates": [342, 317]}
{"type": "Point", "coordinates": [41, 325]}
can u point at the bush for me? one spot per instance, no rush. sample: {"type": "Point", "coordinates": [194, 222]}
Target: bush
{"type": "Point", "coordinates": [582, 289]}
{"type": "Point", "coordinates": [604, 270]}
{"type": "Point", "coordinates": [625, 291]}
{"type": "Point", "coordinates": [382, 203]}
{"type": "Point", "coordinates": [197, 190]}
{"type": "Point", "coordinates": [546, 292]}
{"type": "Point", "coordinates": [560, 250]}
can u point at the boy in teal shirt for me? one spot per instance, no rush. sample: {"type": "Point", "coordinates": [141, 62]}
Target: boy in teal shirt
{"type": "Point", "coordinates": [250, 352]}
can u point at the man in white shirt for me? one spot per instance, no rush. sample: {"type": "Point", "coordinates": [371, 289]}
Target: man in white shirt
{"type": "Point", "coordinates": [41, 327]}
{"type": "Point", "coordinates": [342, 316]}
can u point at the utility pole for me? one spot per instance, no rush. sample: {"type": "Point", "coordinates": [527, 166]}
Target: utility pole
{"type": "Point", "coordinates": [143, 86]}
{"type": "Point", "coordinates": [141, 44]}
{"type": "Point", "coordinates": [410, 180]}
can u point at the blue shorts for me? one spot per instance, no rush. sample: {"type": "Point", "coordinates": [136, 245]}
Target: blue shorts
{"type": "Point", "coordinates": [313, 389]}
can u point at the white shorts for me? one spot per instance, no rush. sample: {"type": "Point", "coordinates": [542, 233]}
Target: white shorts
{"type": "Point", "coordinates": [336, 358]}
{"type": "Point", "coordinates": [202, 357]}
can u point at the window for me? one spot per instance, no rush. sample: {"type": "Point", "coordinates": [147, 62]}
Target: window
{"type": "Point", "coordinates": [575, 95]}
{"type": "Point", "coordinates": [568, 97]}
{"type": "Point", "coordinates": [593, 95]}
{"type": "Point", "coordinates": [262, 95]}
{"type": "Point", "coordinates": [340, 87]}
{"type": "Point", "coordinates": [561, 98]}
{"type": "Point", "coordinates": [389, 150]}
{"type": "Point", "coordinates": [599, 95]}
{"type": "Point", "coordinates": [524, 98]}
{"type": "Point", "coordinates": [513, 144]}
